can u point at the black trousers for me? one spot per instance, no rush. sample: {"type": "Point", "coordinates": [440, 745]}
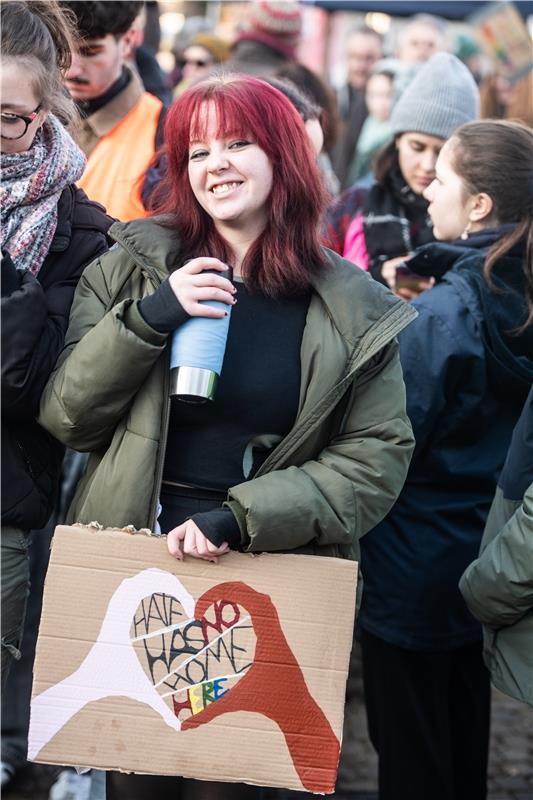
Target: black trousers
{"type": "Point", "coordinates": [428, 719]}
{"type": "Point", "coordinates": [161, 787]}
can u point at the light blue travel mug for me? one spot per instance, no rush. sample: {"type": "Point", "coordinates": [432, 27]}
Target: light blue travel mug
{"type": "Point", "coordinates": [197, 353]}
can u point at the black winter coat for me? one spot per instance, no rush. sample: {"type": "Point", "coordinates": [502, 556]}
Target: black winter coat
{"type": "Point", "coordinates": [34, 319]}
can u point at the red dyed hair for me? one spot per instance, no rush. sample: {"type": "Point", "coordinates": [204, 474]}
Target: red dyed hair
{"type": "Point", "coordinates": [280, 261]}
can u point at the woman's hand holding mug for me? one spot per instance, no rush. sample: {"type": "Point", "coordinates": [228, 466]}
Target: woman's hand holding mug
{"type": "Point", "coordinates": [192, 284]}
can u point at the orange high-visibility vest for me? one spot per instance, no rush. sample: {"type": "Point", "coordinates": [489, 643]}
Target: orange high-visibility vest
{"type": "Point", "coordinates": [113, 175]}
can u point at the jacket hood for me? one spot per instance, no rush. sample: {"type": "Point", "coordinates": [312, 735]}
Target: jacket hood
{"type": "Point", "coordinates": [499, 310]}
{"type": "Point", "coordinates": [340, 285]}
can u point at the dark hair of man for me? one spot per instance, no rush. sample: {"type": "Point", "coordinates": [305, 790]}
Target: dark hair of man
{"type": "Point", "coordinates": [96, 19]}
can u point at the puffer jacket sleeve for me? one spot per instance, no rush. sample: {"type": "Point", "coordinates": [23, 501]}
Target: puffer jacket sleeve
{"type": "Point", "coordinates": [106, 358]}
{"type": "Point", "coordinates": [34, 320]}
{"type": "Point", "coordinates": [498, 586]}
{"type": "Point", "coordinates": [353, 482]}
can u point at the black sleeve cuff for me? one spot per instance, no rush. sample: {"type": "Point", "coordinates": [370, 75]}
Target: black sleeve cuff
{"type": "Point", "coordinates": [219, 526]}
{"type": "Point", "coordinates": [11, 277]}
{"type": "Point", "coordinates": [162, 310]}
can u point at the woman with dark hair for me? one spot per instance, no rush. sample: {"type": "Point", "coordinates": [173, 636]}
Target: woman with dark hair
{"type": "Point", "coordinates": [468, 367]}
{"type": "Point", "coordinates": [378, 227]}
{"type": "Point", "coordinates": [49, 232]}
{"type": "Point", "coordinates": [301, 449]}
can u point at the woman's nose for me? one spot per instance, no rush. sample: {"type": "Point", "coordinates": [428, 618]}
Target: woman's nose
{"type": "Point", "coordinates": [429, 161]}
{"type": "Point", "coordinates": [217, 160]}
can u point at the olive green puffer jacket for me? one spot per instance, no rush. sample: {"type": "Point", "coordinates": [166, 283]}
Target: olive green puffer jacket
{"type": "Point", "coordinates": [498, 589]}
{"type": "Point", "coordinates": [329, 481]}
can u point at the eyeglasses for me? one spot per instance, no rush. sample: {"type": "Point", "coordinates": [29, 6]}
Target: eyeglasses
{"type": "Point", "coordinates": [14, 126]}
{"type": "Point", "coordinates": [196, 62]}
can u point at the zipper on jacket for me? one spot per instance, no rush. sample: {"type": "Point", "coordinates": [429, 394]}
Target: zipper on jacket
{"type": "Point", "coordinates": [162, 447]}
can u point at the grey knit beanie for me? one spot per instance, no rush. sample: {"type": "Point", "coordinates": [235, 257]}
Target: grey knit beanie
{"type": "Point", "coordinates": [442, 96]}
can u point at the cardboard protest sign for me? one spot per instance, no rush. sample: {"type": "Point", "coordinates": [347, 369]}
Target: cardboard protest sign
{"type": "Point", "coordinates": [233, 671]}
{"type": "Point", "coordinates": [505, 38]}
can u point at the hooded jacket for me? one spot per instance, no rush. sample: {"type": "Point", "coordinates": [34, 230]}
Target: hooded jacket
{"type": "Point", "coordinates": [467, 375]}
{"type": "Point", "coordinates": [323, 486]}
{"type": "Point", "coordinates": [34, 320]}
{"type": "Point", "coordinates": [498, 586]}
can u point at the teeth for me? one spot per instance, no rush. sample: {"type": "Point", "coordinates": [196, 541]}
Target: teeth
{"type": "Point", "coordinates": [222, 188]}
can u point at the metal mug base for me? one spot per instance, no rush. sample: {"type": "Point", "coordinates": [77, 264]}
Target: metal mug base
{"type": "Point", "coordinates": [193, 384]}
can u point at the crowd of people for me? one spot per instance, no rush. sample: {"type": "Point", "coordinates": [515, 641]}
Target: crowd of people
{"type": "Point", "coordinates": [381, 244]}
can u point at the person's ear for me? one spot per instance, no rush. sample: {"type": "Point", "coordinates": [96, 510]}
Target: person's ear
{"type": "Point", "coordinates": [128, 43]}
{"type": "Point", "coordinates": [482, 207]}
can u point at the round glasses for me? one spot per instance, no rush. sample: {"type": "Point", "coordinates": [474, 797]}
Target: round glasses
{"type": "Point", "coordinates": [196, 62]}
{"type": "Point", "coordinates": [14, 126]}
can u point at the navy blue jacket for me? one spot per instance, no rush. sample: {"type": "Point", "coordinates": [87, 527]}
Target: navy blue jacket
{"type": "Point", "coordinates": [467, 376]}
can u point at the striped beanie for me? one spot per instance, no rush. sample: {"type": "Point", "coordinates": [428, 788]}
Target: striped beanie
{"type": "Point", "coordinates": [276, 24]}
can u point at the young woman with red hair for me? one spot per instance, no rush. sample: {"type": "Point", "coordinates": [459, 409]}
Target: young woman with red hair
{"type": "Point", "coordinates": [306, 444]}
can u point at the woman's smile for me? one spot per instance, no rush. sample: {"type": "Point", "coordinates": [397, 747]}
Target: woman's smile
{"type": "Point", "coordinates": [223, 189]}
{"type": "Point", "coordinates": [230, 167]}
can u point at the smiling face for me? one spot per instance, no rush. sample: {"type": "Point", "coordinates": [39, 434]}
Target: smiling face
{"type": "Point", "coordinates": [231, 178]}
{"type": "Point", "coordinates": [18, 97]}
{"type": "Point", "coordinates": [417, 156]}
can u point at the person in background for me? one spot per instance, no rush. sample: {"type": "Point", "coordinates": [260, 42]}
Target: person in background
{"type": "Point", "coordinates": [469, 51]}
{"type": "Point", "coordinates": [379, 227]}
{"type": "Point", "coordinates": [122, 123]}
{"type": "Point", "coordinates": [49, 233]}
{"type": "Point", "coordinates": [244, 471]}
{"type": "Point", "coordinates": [420, 38]}
{"type": "Point", "coordinates": [364, 48]}
{"type": "Point", "coordinates": [143, 58]}
{"type": "Point", "coordinates": [468, 366]}
{"type": "Point", "coordinates": [376, 130]}
{"type": "Point", "coordinates": [268, 39]}
{"type": "Point", "coordinates": [204, 53]}
{"type": "Point", "coordinates": [505, 99]}
{"type": "Point", "coordinates": [498, 585]}
{"type": "Point", "coordinates": [323, 98]}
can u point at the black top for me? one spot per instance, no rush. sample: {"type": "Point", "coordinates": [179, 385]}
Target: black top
{"type": "Point", "coordinates": [218, 444]}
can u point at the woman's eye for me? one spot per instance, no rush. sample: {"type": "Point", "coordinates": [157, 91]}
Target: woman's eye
{"type": "Point", "coordinates": [197, 154]}
{"type": "Point", "coordinates": [9, 119]}
{"type": "Point", "coordinates": [238, 144]}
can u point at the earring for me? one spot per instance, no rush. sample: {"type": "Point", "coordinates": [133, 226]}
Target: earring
{"type": "Point", "coordinates": [466, 231]}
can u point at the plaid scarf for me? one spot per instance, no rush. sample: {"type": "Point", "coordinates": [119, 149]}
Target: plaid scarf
{"type": "Point", "coordinates": [395, 221]}
{"type": "Point", "coordinates": [32, 183]}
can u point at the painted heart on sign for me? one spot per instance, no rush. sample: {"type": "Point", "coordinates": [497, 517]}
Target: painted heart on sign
{"type": "Point", "coordinates": [192, 663]}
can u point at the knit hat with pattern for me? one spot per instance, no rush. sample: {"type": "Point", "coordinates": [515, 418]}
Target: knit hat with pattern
{"type": "Point", "coordinates": [277, 25]}
{"type": "Point", "coordinates": [442, 96]}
